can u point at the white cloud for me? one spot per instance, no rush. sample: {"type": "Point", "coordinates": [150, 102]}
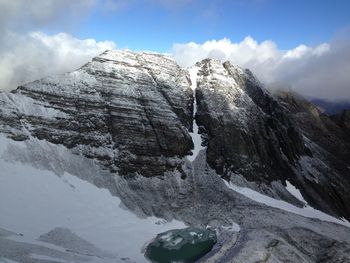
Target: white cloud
{"type": "Point", "coordinates": [321, 71]}
{"type": "Point", "coordinates": [28, 57]}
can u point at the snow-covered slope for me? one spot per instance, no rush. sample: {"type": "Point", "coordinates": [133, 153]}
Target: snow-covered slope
{"type": "Point", "coordinates": [48, 212]}
{"type": "Point", "coordinates": [35, 201]}
{"type": "Point", "coordinates": [306, 211]}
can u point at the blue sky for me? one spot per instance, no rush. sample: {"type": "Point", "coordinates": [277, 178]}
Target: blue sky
{"type": "Point", "coordinates": [156, 26]}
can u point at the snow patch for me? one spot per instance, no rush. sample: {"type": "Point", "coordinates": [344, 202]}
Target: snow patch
{"type": "Point", "coordinates": [295, 192]}
{"type": "Point", "coordinates": [167, 237]}
{"type": "Point", "coordinates": [306, 211]}
{"type": "Point", "coordinates": [196, 137]}
{"type": "Point", "coordinates": [233, 227]}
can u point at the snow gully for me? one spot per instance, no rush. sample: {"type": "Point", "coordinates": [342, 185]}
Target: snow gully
{"type": "Point", "coordinates": [196, 137]}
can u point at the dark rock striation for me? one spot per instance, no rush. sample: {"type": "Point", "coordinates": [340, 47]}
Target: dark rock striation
{"type": "Point", "coordinates": [325, 177]}
{"type": "Point", "coordinates": [130, 111]}
{"type": "Point", "coordinates": [248, 131]}
{"type": "Point", "coordinates": [251, 133]}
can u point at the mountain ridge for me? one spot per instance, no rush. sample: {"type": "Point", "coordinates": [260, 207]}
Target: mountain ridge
{"type": "Point", "coordinates": [132, 115]}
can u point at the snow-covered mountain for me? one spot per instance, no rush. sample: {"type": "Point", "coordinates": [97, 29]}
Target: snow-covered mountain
{"type": "Point", "coordinates": [94, 163]}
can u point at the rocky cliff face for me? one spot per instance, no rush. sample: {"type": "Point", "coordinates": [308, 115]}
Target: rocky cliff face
{"type": "Point", "coordinates": [130, 111]}
{"type": "Point", "coordinates": [326, 175]}
{"type": "Point", "coordinates": [249, 133]}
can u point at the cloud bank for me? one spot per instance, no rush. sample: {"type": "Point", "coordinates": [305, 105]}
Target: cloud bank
{"type": "Point", "coordinates": [321, 71]}
{"type": "Point", "coordinates": [36, 55]}
{"type": "Point", "coordinates": [26, 55]}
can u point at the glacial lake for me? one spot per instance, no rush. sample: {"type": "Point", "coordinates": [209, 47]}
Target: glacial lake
{"type": "Point", "coordinates": [180, 245]}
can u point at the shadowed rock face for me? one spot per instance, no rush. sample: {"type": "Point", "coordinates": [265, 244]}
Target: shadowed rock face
{"type": "Point", "coordinates": [343, 120]}
{"type": "Point", "coordinates": [251, 134]}
{"type": "Point", "coordinates": [248, 132]}
{"type": "Point", "coordinates": [130, 111]}
{"type": "Point", "coordinates": [330, 132]}
{"type": "Point", "coordinates": [328, 175]}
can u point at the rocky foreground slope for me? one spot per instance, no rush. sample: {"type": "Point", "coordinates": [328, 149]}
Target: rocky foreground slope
{"type": "Point", "coordinates": [132, 115]}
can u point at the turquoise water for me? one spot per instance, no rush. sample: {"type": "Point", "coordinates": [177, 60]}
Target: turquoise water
{"type": "Point", "coordinates": [181, 245]}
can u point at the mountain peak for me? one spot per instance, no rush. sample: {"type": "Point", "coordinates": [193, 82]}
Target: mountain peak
{"type": "Point", "coordinates": [133, 113]}
{"type": "Point", "coordinates": [206, 146]}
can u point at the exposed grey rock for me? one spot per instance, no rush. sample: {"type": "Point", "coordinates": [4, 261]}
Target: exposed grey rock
{"type": "Point", "coordinates": [248, 131]}
{"type": "Point", "coordinates": [318, 127]}
{"type": "Point", "coordinates": [130, 111]}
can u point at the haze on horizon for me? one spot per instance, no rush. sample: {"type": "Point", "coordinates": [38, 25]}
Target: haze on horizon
{"type": "Point", "coordinates": [303, 45]}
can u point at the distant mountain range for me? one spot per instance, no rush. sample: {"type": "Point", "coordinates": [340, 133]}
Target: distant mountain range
{"type": "Point", "coordinates": [331, 107]}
